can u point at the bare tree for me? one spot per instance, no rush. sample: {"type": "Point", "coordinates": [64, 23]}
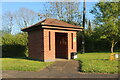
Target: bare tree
{"type": "Point", "coordinates": [25, 17]}
{"type": "Point", "coordinates": [46, 13]}
{"type": "Point", "coordinates": [14, 21]}
{"type": "Point", "coordinates": [67, 11]}
{"type": "Point", "coordinates": [8, 21]}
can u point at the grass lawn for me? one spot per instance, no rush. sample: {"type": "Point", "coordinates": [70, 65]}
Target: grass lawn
{"type": "Point", "coordinates": [21, 64]}
{"type": "Point", "coordinates": [97, 63]}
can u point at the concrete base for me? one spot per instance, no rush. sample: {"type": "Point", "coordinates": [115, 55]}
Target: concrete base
{"type": "Point", "coordinates": [60, 59]}
{"type": "Point", "coordinates": [51, 60]}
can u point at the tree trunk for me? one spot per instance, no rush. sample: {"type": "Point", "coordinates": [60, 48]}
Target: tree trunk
{"type": "Point", "coordinates": [112, 47]}
{"type": "Point", "coordinates": [113, 43]}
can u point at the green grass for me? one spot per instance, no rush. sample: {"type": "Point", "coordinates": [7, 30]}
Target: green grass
{"type": "Point", "coordinates": [97, 63]}
{"type": "Point", "coordinates": [23, 64]}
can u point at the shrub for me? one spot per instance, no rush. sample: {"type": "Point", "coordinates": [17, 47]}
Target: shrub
{"type": "Point", "coordinates": [94, 44]}
{"type": "Point", "coordinates": [14, 45]}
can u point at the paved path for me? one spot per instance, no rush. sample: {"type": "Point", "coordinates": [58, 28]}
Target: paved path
{"type": "Point", "coordinates": [60, 69]}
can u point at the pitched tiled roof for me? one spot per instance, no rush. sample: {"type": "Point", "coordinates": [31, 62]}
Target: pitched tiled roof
{"type": "Point", "coordinates": [52, 22]}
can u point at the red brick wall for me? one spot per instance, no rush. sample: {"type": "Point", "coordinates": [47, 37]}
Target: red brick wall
{"type": "Point", "coordinates": [70, 43]}
{"type": "Point", "coordinates": [35, 44]}
{"type": "Point", "coordinates": [49, 55]}
{"type": "Point", "coordinates": [39, 44]}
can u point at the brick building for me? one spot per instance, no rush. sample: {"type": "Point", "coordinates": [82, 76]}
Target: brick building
{"type": "Point", "coordinates": [51, 39]}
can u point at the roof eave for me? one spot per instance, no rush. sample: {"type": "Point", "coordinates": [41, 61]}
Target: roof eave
{"type": "Point", "coordinates": [43, 24]}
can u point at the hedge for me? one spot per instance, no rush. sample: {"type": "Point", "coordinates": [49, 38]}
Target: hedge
{"type": "Point", "coordinates": [14, 45]}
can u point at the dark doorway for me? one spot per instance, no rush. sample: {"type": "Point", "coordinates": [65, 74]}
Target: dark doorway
{"type": "Point", "coordinates": [61, 45]}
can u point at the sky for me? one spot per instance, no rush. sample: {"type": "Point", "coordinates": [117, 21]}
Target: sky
{"type": "Point", "coordinates": [39, 6]}
{"type": "Point", "coordinates": [13, 6]}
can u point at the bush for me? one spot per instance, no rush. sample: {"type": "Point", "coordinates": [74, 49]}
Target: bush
{"type": "Point", "coordinates": [14, 45]}
{"type": "Point", "coordinates": [94, 44]}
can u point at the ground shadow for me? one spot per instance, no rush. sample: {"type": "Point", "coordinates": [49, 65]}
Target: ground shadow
{"type": "Point", "coordinates": [27, 58]}
{"type": "Point", "coordinates": [101, 59]}
{"type": "Point", "coordinates": [80, 66]}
